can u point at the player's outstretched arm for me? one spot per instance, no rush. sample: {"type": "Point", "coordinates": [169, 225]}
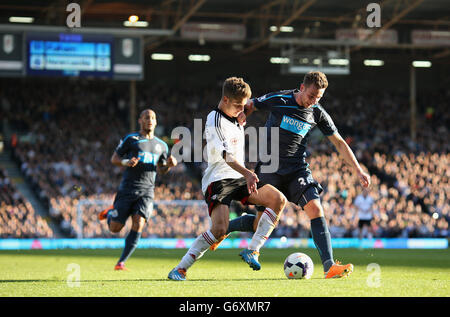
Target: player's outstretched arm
{"type": "Point", "coordinates": [347, 154]}
{"type": "Point", "coordinates": [116, 160]}
{"type": "Point", "coordinates": [250, 177]}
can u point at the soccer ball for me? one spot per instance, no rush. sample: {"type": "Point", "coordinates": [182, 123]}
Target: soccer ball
{"type": "Point", "coordinates": [298, 265]}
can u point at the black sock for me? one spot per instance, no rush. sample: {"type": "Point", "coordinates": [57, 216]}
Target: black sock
{"type": "Point", "coordinates": [130, 245]}
{"type": "Point", "coordinates": [322, 240]}
{"type": "Point", "coordinates": [242, 223]}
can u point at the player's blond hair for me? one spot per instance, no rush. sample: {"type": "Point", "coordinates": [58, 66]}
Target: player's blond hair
{"type": "Point", "coordinates": [236, 88]}
{"type": "Point", "coordinates": [316, 78]}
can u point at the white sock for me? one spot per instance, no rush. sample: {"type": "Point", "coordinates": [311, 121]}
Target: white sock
{"type": "Point", "coordinates": [265, 227]}
{"type": "Point", "coordinates": [196, 251]}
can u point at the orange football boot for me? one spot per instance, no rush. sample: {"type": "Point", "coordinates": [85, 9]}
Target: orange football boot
{"type": "Point", "coordinates": [338, 270]}
{"type": "Point", "coordinates": [215, 245]}
{"type": "Point", "coordinates": [120, 267]}
{"type": "Point", "coordinates": [103, 213]}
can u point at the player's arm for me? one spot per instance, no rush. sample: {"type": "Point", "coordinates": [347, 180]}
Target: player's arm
{"type": "Point", "coordinates": [249, 176]}
{"type": "Point", "coordinates": [118, 161]}
{"type": "Point", "coordinates": [164, 167]}
{"type": "Point", "coordinates": [121, 151]}
{"type": "Point", "coordinates": [347, 154]}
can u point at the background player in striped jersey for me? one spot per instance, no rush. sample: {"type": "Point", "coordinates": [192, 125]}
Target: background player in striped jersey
{"type": "Point", "coordinates": [296, 112]}
{"type": "Point", "coordinates": [143, 155]}
{"type": "Point", "coordinates": [226, 178]}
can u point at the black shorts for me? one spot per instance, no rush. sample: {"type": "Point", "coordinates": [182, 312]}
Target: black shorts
{"type": "Point", "coordinates": [226, 190]}
{"type": "Point", "coordinates": [362, 223]}
{"type": "Point", "coordinates": [128, 203]}
{"type": "Point", "coordinates": [299, 187]}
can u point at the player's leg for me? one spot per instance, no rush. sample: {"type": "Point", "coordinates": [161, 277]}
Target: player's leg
{"type": "Point", "coordinates": [108, 214]}
{"type": "Point", "coordinates": [249, 222]}
{"type": "Point", "coordinates": [219, 218]}
{"type": "Point", "coordinates": [132, 240]}
{"type": "Point", "coordinates": [370, 231]}
{"type": "Point", "coordinates": [321, 236]}
{"type": "Point", "coordinates": [228, 190]}
{"type": "Point", "coordinates": [319, 228]}
{"type": "Point", "coordinates": [274, 180]}
{"type": "Point", "coordinates": [244, 223]}
{"type": "Point", "coordinates": [274, 201]}
{"type": "Point", "coordinates": [115, 226]}
{"type": "Point", "coordinates": [360, 229]}
{"type": "Point", "coordinates": [143, 207]}
{"type": "Point", "coordinates": [117, 214]}
{"type": "Point", "coordinates": [305, 192]}
{"type": "Point", "coordinates": [104, 213]}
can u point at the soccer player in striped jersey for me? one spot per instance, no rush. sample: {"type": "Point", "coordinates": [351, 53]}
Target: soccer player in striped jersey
{"type": "Point", "coordinates": [144, 155]}
{"type": "Point", "coordinates": [295, 113]}
{"type": "Point", "coordinates": [226, 178]}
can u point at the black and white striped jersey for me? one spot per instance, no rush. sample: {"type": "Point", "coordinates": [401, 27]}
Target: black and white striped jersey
{"type": "Point", "coordinates": [223, 134]}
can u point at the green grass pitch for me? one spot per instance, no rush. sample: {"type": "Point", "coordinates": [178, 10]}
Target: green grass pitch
{"type": "Point", "coordinates": [222, 273]}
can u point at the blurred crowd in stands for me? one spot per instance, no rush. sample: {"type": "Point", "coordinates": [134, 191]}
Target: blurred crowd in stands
{"type": "Point", "coordinates": [67, 131]}
{"type": "Point", "coordinates": [17, 216]}
{"type": "Point", "coordinates": [414, 206]}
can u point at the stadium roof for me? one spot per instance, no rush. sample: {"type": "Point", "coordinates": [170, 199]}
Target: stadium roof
{"type": "Point", "coordinates": [307, 19]}
{"type": "Point", "coordinates": [427, 13]}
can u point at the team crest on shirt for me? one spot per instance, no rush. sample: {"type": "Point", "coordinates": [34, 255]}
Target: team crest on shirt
{"type": "Point", "coordinates": [261, 98]}
{"type": "Point", "coordinates": [234, 141]}
{"type": "Point", "coordinates": [113, 213]}
{"type": "Point", "coordinates": [158, 148]}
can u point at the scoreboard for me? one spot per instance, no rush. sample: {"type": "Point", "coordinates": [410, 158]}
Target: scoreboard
{"type": "Point", "coordinates": [71, 54]}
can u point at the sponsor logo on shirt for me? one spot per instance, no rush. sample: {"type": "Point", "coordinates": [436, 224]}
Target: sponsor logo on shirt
{"type": "Point", "coordinates": [148, 158]}
{"type": "Point", "coordinates": [295, 125]}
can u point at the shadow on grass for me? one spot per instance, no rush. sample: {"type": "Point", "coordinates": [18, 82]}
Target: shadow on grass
{"type": "Point", "coordinates": [143, 280]}
{"type": "Point", "coordinates": [391, 257]}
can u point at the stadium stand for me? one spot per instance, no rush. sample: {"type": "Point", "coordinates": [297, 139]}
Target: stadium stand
{"type": "Point", "coordinates": [17, 216]}
{"type": "Point", "coordinates": [65, 143]}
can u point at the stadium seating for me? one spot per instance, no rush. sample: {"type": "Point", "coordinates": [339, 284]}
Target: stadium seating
{"type": "Point", "coordinates": [69, 130]}
{"type": "Point", "coordinates": [17, 216]}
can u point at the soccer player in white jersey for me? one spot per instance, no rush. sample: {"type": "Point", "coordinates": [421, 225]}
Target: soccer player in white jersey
{"type": "Point", "coordinates": [226, 178]}
{"type": "Point", "coordinates": [364, 202]}
{"type": "Point", "coordinates": [294, 113]}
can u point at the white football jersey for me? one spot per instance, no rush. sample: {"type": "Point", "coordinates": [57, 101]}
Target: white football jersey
{"type": "Point", "coordinates": [364, 205]}
{"type": "Point", "coordinates": [223, 134]}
